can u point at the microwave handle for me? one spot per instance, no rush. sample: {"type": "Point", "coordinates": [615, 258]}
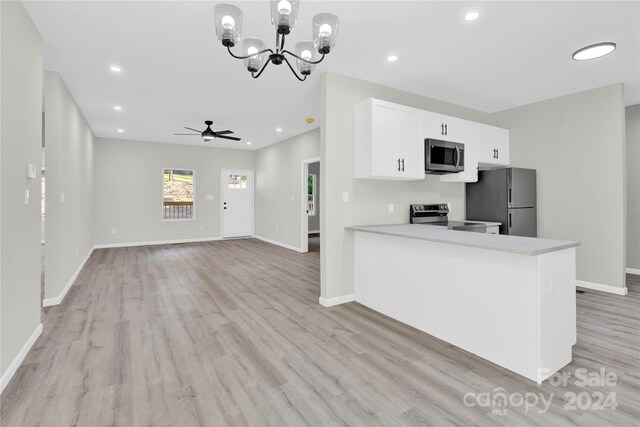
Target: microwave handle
{"type": "Point", "coordinates": [457, 156]}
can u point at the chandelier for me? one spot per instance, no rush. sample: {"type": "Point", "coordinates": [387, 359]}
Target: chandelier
{"type": "Point", "coordinates": [283, 17]}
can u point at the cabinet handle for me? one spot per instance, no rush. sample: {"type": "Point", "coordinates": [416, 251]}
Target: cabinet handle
{"type": "Point", "coordinates": [509, 219]}
{"type": "Point", "coordinates": [441, 128]}
{"type": "Point", "coordinates": [398, 165]}
{"type": "Point", "coordinates": [446, 131]}
{"type": "Point", "coordinates": [402, 165]}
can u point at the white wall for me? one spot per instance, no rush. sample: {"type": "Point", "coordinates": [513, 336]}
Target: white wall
{"type": "Point", "coordinates": [69, 145]}
{"type": "Point", "coordinates": [128, 190]}
{"type": "Point", "coordinates": [368, 199]}
{"type": "Point", "coordinates": [279, 186]}
{"type": "Point", "coordinates": [576, 144]}
{"type": "Point", "coordinates": [314, 221]}
{"type": "Point", "coordinates": [20, 144]}
{"type": "Point", "coordinates": [633, 186]}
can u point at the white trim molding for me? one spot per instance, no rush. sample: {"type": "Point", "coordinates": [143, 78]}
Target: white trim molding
{"type": "Point", "coordinates": [313, 232]}
{"type": "Point", "coordinates": [155, 242]}
{"type": "Point", "coordinates": [274, 242]}
{"type": "Point", "coordinates": [330, 302]}
{"type": "Point", "coordinates": [604, 288]}
{"type": "Point", "coordinates": [633, 271]}
{"type": "Point", "coordinates": [17, 361]}
{"type": "Point", "coordinates": [47, 302]}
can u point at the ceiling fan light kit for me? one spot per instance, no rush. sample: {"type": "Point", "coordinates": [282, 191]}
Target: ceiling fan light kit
{"type": "Point", "coordinates": [284, 14]}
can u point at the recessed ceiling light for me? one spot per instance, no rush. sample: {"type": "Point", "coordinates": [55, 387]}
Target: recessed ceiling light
{"type": "Point", "coordinates": [278, 129]}
{"type": "Point", "coordinates": [594, 51]}
{"type": "Point", "coordinates": [115, 69]}
{"type": "Point", "coordinates": [392, 58]}
{"type": "Point", "coordinates": [117, 108]}
{"type": "Point", "coordinates": [248, 142]}
{"type": "Point", "coordinates": [120, 130]}
{"type": "Point", "coordinates": [471, 16]}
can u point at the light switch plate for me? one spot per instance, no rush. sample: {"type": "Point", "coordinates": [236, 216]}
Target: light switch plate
{"type": "Point", "coordinates": [345, 196]}
{"type": "Point", "coordinates": [62, 197]}
{"type": "Point", "coordinates": [390, 207]}
{"type": "Point", "coordinates": [31, 171]}
{"type": "Point", "coordinates": [26, 196]}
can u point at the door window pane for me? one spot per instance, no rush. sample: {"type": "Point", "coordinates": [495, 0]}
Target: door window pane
{"type": "Point", "coordinates": [237, 181]}
{"type": "Point", "coordinates": [177, 199]}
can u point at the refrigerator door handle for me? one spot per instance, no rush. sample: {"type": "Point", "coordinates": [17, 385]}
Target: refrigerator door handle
{"type": "Point", "coordinates": [510, 224]}
{"type": "Point", "coordinates": [509, 201]}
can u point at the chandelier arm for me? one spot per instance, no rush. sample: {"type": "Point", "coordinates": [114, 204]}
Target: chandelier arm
{"type": "Point", "coordinates": [294, 71]}
{"type": "Point", "coordinates": [248, 56]}
{"type": "Point", "coordinates": [254, 75]}
{"type": "Point", "coordinates": [304, 60]}
{"type": "Point", "coordinates": [282, 43]}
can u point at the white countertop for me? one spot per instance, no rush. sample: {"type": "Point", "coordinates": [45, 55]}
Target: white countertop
{"type": "Point", "coordinates": [496, 242]}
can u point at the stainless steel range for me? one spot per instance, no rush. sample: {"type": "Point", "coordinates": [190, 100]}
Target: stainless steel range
{"type": "Point", "coordinates": [439, 215]}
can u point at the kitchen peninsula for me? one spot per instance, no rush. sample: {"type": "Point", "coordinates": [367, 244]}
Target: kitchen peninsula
{"type": "Point", "coordinates": [508, 299]}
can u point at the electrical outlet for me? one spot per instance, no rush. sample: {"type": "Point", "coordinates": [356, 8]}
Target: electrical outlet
{"type": "Point", "coordinates": [345, 196]}
{"type": "Point", "coordinates": [390, 207]}
{"type": "Point", "coordinates": [292, 197]}
{"type": "Point", "coordinates": [62, 197]}
{"type": "Point", "coordinates": [113, 231]}
{"type": "Point", "coordinates": [27, 194]}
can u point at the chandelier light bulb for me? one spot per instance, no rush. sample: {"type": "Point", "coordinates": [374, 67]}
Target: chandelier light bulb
{"type": "Point", "coordinates": [306, 55]}
{"type": "Point", "coordinates": [325, 30]}
{"type": "Point", "coordinates": [284, 7]}
{"type": "Point", "coordinates": [252, 50]}
{"type": "Point", "coordinates": [228, 22]}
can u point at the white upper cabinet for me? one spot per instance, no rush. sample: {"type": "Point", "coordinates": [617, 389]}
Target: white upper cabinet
{"type": "Point", "coordinates": [388, 141]}
{"type": "Point", "coordinates": [494, 146]}
{"type": "Point", "coordinates": [446, 128]}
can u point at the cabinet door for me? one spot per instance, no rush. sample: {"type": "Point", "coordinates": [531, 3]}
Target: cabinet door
{"type": "Point", "coordinates": [494, 146]}
{"type": "Point", "coordinates": [384, 141]}
{"type": "Point", "coordinates": [438, 126]}
{"type": "Point", "coordinates": [500, 141]}
{"type": "Point", "coordinates": [410, 144]}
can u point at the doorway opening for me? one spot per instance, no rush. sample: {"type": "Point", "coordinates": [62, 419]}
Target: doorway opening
{"type": "Point", "coordinates": [310, 237]}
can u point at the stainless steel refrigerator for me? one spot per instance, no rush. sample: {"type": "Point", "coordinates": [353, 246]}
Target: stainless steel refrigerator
{"type": "Point", "coordinates": [507, 196]}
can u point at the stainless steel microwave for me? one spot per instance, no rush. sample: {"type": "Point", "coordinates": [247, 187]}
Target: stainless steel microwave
{"type": "Point", "coordinates": [442, 157]}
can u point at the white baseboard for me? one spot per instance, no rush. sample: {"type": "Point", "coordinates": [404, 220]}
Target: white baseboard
{"type": "Point", "coordinates": [604, 288]}
{"type": "Point", "coordinates": [15, 364]}
{"type": "Point", "coordinates": [633, 271]}
{"type": "Point", "coordinates": [313, 231]}
{"type": "Point", "coordinates": [274, 242]}
{"type": "Point", "coordinates": [47, 302]}
{"type": "Point", "coordinates": [330, 302]}
{"type": "Point", "coordinates": [155, 242]}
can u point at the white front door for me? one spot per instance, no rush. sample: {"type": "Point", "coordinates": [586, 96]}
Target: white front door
{"type": "Point", "coordinates": [237, 203]}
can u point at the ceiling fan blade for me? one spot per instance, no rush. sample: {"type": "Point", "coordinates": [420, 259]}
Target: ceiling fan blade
{"type": "Point", "coordinates": [190, 134]}
{"type": "Point", "coordinates": [233, 138]}
{"type": "Point", "coordinates": [195, 130]}
{"type": "Point", "coordinates": [222, 132]}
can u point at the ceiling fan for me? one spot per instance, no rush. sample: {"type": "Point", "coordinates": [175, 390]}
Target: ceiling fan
{"type": "Point", "coordinates": [209, 135]}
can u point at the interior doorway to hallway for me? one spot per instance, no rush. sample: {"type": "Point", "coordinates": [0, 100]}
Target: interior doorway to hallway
{"type": "Point", "coordinates": [311, 205]}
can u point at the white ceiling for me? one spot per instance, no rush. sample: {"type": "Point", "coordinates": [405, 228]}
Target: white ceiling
{"type": "Point", "coordinates": [176, 73]}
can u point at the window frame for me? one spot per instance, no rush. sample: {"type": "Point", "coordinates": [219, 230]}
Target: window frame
{"type": "Point", "coordinates": [193, 192]}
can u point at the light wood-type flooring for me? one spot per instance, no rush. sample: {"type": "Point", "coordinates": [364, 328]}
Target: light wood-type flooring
{"type": "Point", "coordinates": [231, 333]}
